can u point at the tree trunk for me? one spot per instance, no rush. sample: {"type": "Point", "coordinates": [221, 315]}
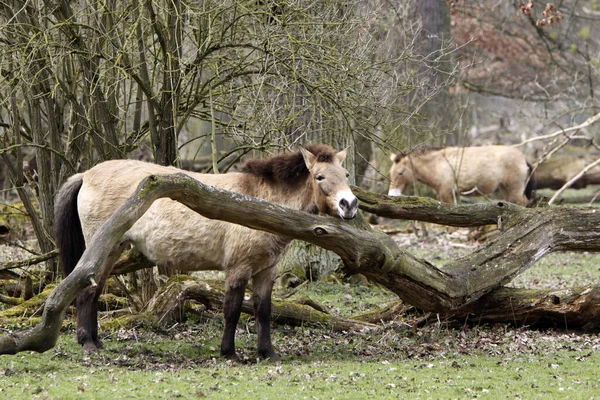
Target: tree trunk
{"type": "Point", "coordinates": [303, 261]}
{"type": "Point", "coordinates": [562, 309]}
{"type": "Point", "coordinates": [527, 235]}
{"type": "Point", "coordinates": [439, 113]}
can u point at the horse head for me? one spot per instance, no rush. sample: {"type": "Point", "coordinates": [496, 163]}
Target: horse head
{"type": "Point", "coordinates": [400, 174]}
{"type": "Point", "coordinates": [331, 190]}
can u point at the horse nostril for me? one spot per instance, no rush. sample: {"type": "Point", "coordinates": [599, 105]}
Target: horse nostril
{"type": "Point", "coordinates": [354, 204]}
{"type": "Point", "coordinates": [344, 204]}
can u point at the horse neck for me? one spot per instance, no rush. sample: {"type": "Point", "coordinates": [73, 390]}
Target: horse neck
{"type": "Point", "coordinates": [298, 196]}
{"type": "Point", "coordinates": [419, 166]}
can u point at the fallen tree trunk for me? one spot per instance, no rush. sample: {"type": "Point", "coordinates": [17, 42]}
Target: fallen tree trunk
{"type": "Point", "coordinates": [527, 235]}
{"type": "Point", "coordinates": [168, 303]}
{"type": "Point", "coordinates": [561, 309]}
{"type": "Point", "coordinates": [28, 261]}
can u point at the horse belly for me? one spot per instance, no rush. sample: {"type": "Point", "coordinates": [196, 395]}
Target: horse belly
{"type": "Point", "coordinates": [478, 179]}
{"type": "Point", "coordinates": [171, 235]}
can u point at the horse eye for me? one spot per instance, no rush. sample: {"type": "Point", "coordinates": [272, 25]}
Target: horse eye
{"type": "Point", "coordinates": [347, 174]}
{"type": "Point", "coordinates": [320, 177]}
{"type": "Point", "coordinates": [400, 173]}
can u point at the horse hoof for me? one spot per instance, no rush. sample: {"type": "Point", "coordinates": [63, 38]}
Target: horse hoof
{"type": "Point", "coordinates": [270, 356]}
{"type": "Point", "coordinates": [274, 358]}
{"type": "Point", "coordinates": [92, 347]}
{"type": "Point", "coordinates": [231, 357]}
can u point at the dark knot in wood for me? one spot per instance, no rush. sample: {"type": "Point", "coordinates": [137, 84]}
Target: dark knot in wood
{"type": "Point", "coordinates": [319, 231]}
{"type": "Point", "coordinates": [554, 299]}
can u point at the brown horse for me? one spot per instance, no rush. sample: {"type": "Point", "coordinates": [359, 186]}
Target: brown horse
{"type": "Point", "coordinates": [169, 234]}
{"type": "Point", "coordinates": [456, 171]}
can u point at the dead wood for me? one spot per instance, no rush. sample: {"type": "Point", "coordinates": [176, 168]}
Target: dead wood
{"type": "Point", "coordinates": [561, 309]}
{"type": "Point", "coordinates": [28, 308]}
{"type": "Point", "coordinates": [168, 305]}
{"type": "Point", "coordinates": [387, 313]}
{"type": "Point", "coordinates": [29, 261]}
{"type": "Point", "coordinates": [7, 274]}
{"type": "Point", "coordinates": [13, 301]}
{"type": "Point", "coordinates": [578, 165]}
{"type": "Point", "coordinates": [131, 261]}
{"type": "Point", "coordinates": [527, 235]}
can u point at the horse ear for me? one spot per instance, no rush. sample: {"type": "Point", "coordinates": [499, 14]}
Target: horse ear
{"type": "Point", "coordinates": [309, 158]}
{"type": "Point", "coordinates": [341, 156]}
{"type": "Point", "coordinates": [396, 157]}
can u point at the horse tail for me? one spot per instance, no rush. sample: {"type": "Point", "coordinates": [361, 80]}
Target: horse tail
{"type": "Point", "coordinates": [67, 225]}
{"type": "Point", "coordinates": [531, 183]}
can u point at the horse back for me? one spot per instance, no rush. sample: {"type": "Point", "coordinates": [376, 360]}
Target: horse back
{"type": "Point", "coordinates": [169, 233]}
{"type": "Point", "coordinates": [108, 185]}
{"type": "Point", "coordinates": [498, 161]}
{"type": "Point", "coordinates": [485, 167]}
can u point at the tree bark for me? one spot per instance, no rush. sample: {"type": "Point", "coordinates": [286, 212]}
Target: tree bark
{"type": "Point", "coordinates": [434, 37]}
{"type": "Point", "coordinates": [168, 306]}
{"type": "Point", "coordinates": [562, 309]}
{"type": "Point", "coordinates": [527, 235]}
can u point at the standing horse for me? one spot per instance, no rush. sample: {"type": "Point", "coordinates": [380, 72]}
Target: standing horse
{"type": "Point", "coordinates": [455, 171]}
{"type": "Point", "coordinates": [171, 235]}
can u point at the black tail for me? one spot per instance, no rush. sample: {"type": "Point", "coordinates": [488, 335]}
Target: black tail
{"type": "Point", "coordinates": [531, 183]}
{"type": "Point", "coordinates": [69, 235]}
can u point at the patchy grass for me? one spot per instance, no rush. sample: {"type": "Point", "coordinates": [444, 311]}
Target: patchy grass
{"type": "Point", "coordinates": [394, 360]}
{"type": "Point", "coordinates": [347, 300]}
{"type": "Point", "coordinates": [561, 271]}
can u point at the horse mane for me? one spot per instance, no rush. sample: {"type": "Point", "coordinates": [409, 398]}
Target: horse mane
{"type": "Point", "coordinates": [417, 151]}
{"type": "Point", "coordinates": [288, 167]}
{"type": "Point", "coordinates": [421, 150]}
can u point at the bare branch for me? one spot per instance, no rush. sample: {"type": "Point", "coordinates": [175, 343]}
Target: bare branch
{"type": "Point", "coordinates": [573, 180]}
{"type": "Point", "coordinates": [28, 261]}
{"type": "Point", "coordinates": [588, 122]}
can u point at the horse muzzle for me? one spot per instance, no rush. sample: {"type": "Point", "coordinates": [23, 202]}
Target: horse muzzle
{"type": "Point", "coordinates": [395, 192]}
{"type": "Point", "coordinates": [348, 206]}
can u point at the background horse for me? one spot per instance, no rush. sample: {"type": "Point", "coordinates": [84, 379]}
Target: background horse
{"type": "Point", "coordinates": [455, 171]}
{"type": "Point", "coordinates": [169, 234]}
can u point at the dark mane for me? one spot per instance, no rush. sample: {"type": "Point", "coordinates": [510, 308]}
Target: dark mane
{"type": "Point", "coordinates": [420, 150]}
{"type": "Point", "coordinates": [288, 167]}
{"type": "Point", "coordinates": [417, 151]}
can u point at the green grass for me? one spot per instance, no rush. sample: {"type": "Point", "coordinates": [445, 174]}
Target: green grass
{"type": "Point", "coordinates": [561, 271]}
{"type": "Point", "coordinates": [394, 360]}
{"type": "Point", "coordinates": [347, 300]}
{"type": "Point", "coordinates": [428, 364]}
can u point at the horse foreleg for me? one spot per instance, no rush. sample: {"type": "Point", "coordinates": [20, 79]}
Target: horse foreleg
{"type": "Point", "coordinates": [263, 286]}
{"type": "Point", "coordinates": [232, 308]}
{"type": "Point", "coordinates": [447, 196]}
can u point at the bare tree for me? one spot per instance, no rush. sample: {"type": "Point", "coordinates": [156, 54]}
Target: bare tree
{"type": "Point", "coordinates": [85, 81]}
{"type": "Point", "coordinates": [533, 63]}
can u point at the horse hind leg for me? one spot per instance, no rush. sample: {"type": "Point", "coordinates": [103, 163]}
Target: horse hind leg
{"type": "Point", "coordinates": [262, 289]}
{"type": "Point", "coordinates": [87, 318]}
{"type": "Point", "coordinates": [87, 307]}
